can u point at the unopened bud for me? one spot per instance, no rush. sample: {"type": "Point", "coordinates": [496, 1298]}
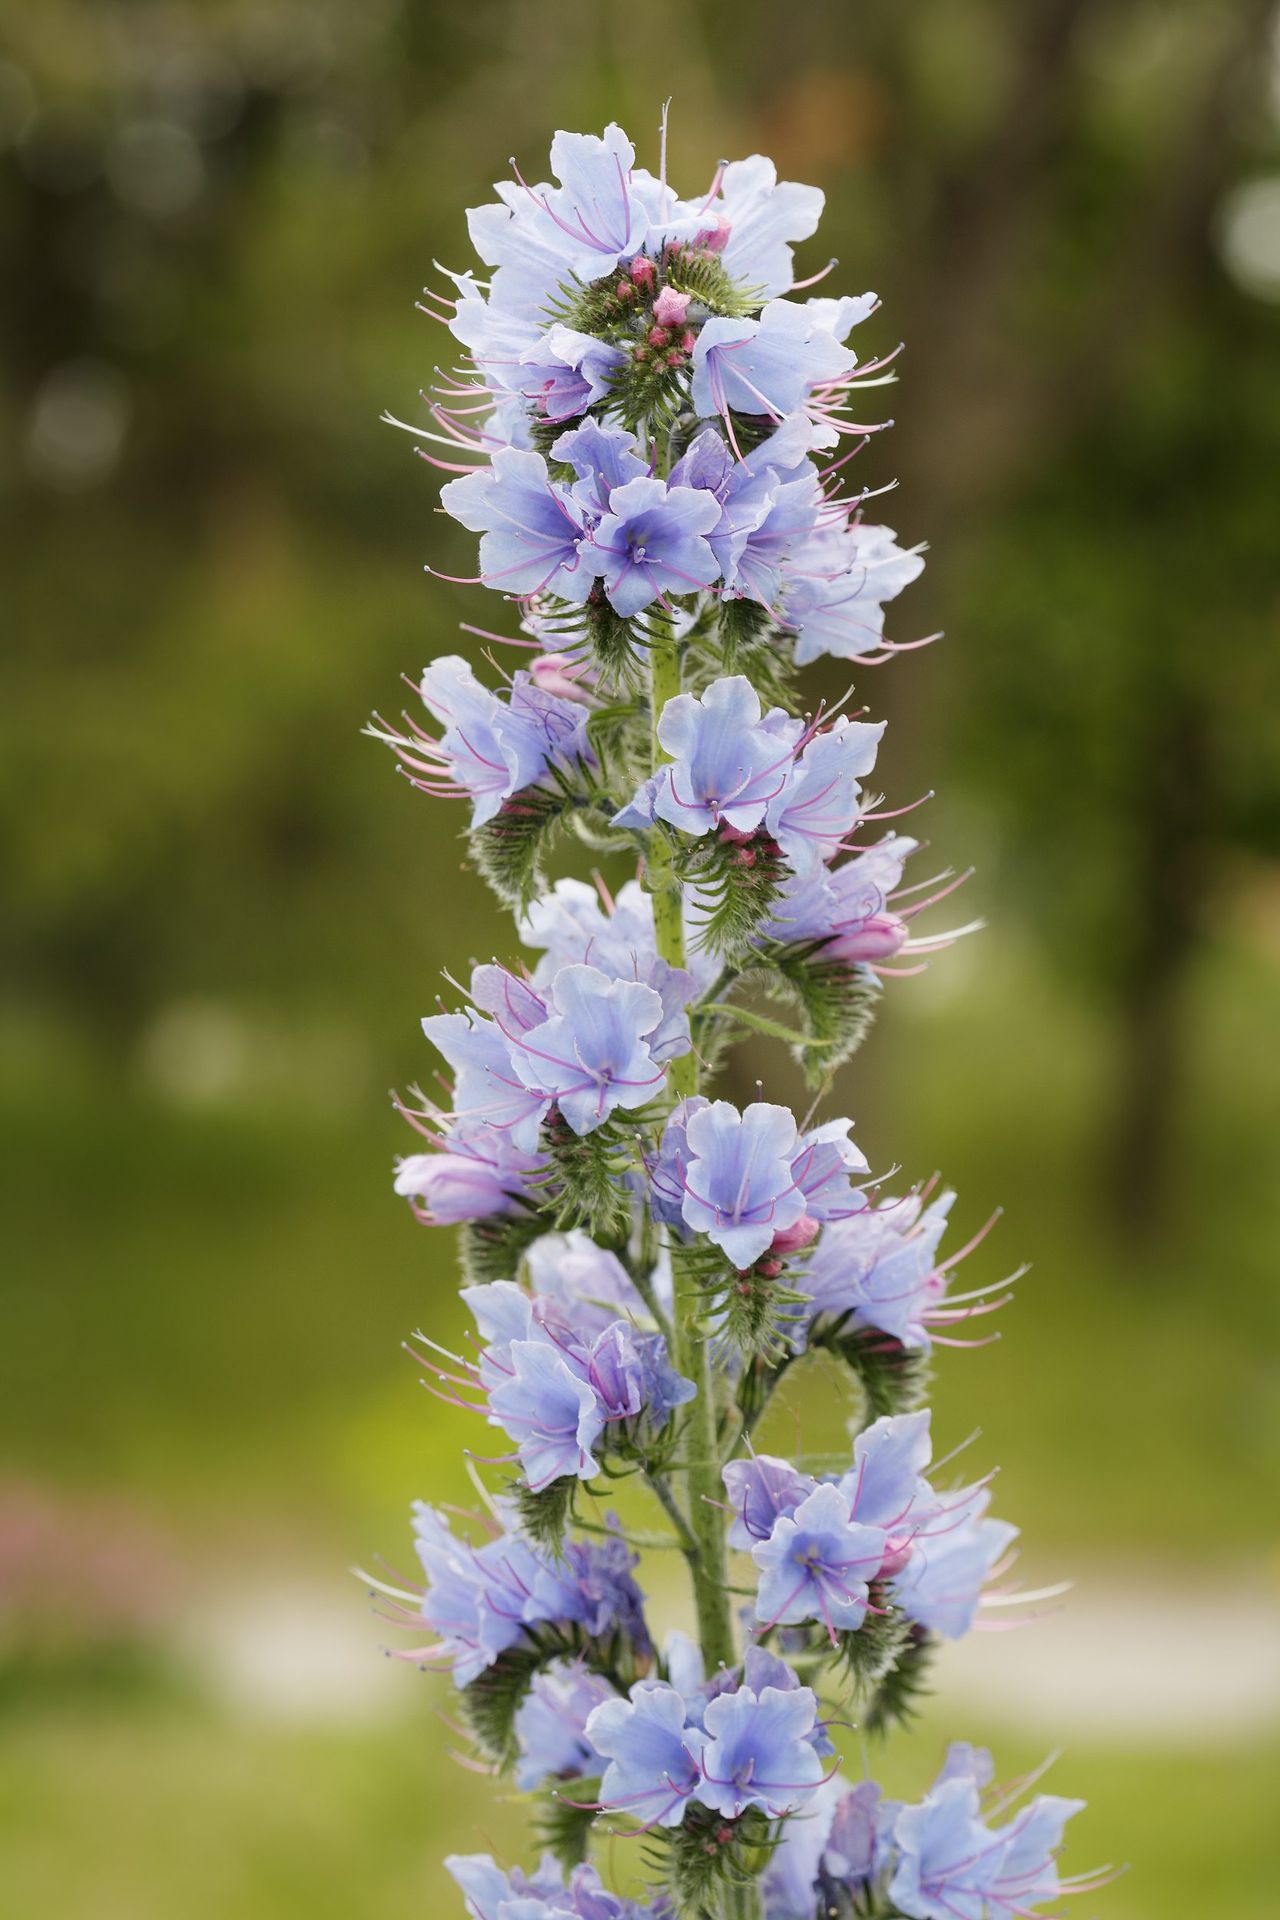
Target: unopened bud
{"type": "Point", "coordinates": [799, 1234]}
{"type": "Point", "coordinates": [670, 307]}
{"type": "Point", "coordinates": [560, 674]}
{"type": "Point", "coordinates": [642, 270]}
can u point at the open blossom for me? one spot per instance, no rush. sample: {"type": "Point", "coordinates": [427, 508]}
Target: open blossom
{"type": "Point", "coordinates": [575, 926]}
{"type": "Point", "coordinates": [581, 1046]}
{"type": "Point", "coordinates": [655, 1757]}
{"type": "Point", "coordinates": [550, 1725]}
{"type": "Point", "coordinates": [592, 1054]}
{"type": "Point", "coordinates": [767, 366]}
{"type": "Point", "coordinates": [817, 1564]}
{"type": "Point", "coordinates": [547, 1894]}
{"type": "Point", "coordinates": [816, 810]}
{"type": "Point", "coordinates": [473, 1173]}
{"type": "Point", "coordinates": [652, 542]}
{"type": "Point", "coordinates": [837, 585]}
{"type": "Point", "coordinates": [879, 1268]}
{"type": "Point", "coordinates": [847, 908]}
{"type": "Point", "coordinates": [951, 1861]}
{"type": "Point", "coordinates": [745, 1179]}
{"type": "Point", "coordinates": [532, 537]}
{"type": "Point", "coordinates": [727, 761]}
{"type": "Point", "coordinates": [819, 1544]}
{"type": "Point", "coordinates": [481, 1600]}
{"type": "Point", "coordinates": [493, 746]}
{"type": "Point", "coordinates": [761, 1751]}
{"type": "Point", "coordinates": [561, 1393]}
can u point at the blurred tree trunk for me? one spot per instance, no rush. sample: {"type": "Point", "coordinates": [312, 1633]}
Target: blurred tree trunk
{"type": "Point", "coordinates": [1151, 988]}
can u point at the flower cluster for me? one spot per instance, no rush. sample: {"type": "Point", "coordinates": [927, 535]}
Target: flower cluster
{"type": "Point", "coordinates": [824, 1546]}
{"type": "Point", "coordinates": [649, 433]}
{"type": "Point", "coordinates": [946, 1855]}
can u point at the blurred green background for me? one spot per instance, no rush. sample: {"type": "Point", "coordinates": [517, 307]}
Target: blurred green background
{"type": "Point", "coordinates": [224, 916]}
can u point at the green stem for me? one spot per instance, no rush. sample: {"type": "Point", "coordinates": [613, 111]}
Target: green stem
{"type": "Point", "coordinates": [703, 1490]}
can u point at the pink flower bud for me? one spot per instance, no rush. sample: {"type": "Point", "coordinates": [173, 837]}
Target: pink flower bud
{"type": "Point", "coordinates": [801, 1233]}
{"type": "Point", "coordinates": [878, 938]}
{"type": "Point", "coordinates": [896, 1557]}
{"type": "Point", "coordinates": [560, 674]}
{"type": "Point", "coordinates": [642, 270]}
{"type": "Point", "coordinates": [714, 239]}
{"type": "Point", "coordinates": [735, 835]}
{"type": "Point", "coordinates": [659, 337]}
{"type": "Point", "coordinates": [770, 1269]}
{"type": "Point", "coordinates": [670, 307]}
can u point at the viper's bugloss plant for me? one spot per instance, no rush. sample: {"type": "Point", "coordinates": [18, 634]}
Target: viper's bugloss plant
{"type": "Point", "coordinates": [650, 426]}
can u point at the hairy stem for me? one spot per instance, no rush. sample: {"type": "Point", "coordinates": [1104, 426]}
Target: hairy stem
{"type": "Point", "coordinates": [692, 1347]}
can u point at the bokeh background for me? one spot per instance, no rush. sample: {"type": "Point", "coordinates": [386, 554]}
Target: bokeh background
{"type": "Point", "coordinates": [224, 915]}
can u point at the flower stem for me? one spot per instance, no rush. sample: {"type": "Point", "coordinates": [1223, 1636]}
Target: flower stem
{"type": "Point", "coordinates": [692, 1355]}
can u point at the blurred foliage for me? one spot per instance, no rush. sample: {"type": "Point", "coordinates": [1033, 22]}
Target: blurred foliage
{"type": "Point", "coordinates": [224, 916]}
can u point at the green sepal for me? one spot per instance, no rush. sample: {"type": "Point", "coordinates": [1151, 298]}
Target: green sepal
{"type": "Point", "coordinates": [545, 1512]}
{"type": "Point", "coordinates": [836, 1003]}
{"type": "Point", "coordinates": [707, 1854]}
{"type": "Point", "coordinates": [511, 849]}
{"type": "Point", "coordinates": [893, 1378]}
{"type": "Point", "coordinates": [897, 1696]}
{"type": "Point", "coordinates": [564, 1826]}
{"type": "Point", "coordinates": [585, 1178]}
{"type": "Point", "coordinates": [492, 1249]}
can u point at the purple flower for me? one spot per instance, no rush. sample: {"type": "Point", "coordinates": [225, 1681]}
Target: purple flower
{"type": "Point", "coordinates": [492, 1894]}
{"type": "Point", "coordinates": [879, 1266]}
{"type": "Point", "coordinates": [651, 543]}
{"type": "Point", "coordinates": [541, 237]}
{"type": "Point", "coordinates": [760, 1752]}
{"type": "Point", "coordinates": [577, 925]}
{"type": "Point", "coordinates": [830, 1839]}
{"type": "Point", "coordinates": [565, 372]}
{"type": "Point", "coordinates": [474, 1173]}
{"type": "Point", "coordinates": [953, 1554]}
{"type": "Point", "coordinates": [761, 1488]}
{"type": "Point", "coordinates": [953, 1865]}
{"type": "Point", "coordinates": [767, 366]}
{"type": "Point", "coordinates": [654, 1754]}
{"type": "Point", "coordinates": [885, 1486]}
{"type": "Point", "coordinates": [555, 1388]}
{"type": "Point", "coordinates": [739, 1188]}
{"type": "Point", "coordinates": [492, 747]}
{"type": "Point", "coordinates": [488, 1089]}
{"type": "Point", "coordinates": [479, 1600]}
{"type": "Point", "coordinates": [816, 811]}
{"type": "Point", "coordinates": [818, 1565]}
{"type": "Point", "coordinates": [591, 1055]}
{"type": "Point", "coordinates": [603, 458]}
{"type": "Point", "coordinates": [728, 763]}
{"type": "Point", "coordinates": [763, 216]}
{"type": "Point", "coordinates": [837, 583]}
{"type": "Point", "coordinates": [532, 534]}
{"type": "Point", "coordinates": [846, 907]}
{"type": "Point", "coordinates": [578, 1286]}
{"type": "Point", "coordinates": [821, 1167]}
{"type": "Point", "coordinates": [551, 1722]}
{"type": "Point", "coordinates": [553, 1415]}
